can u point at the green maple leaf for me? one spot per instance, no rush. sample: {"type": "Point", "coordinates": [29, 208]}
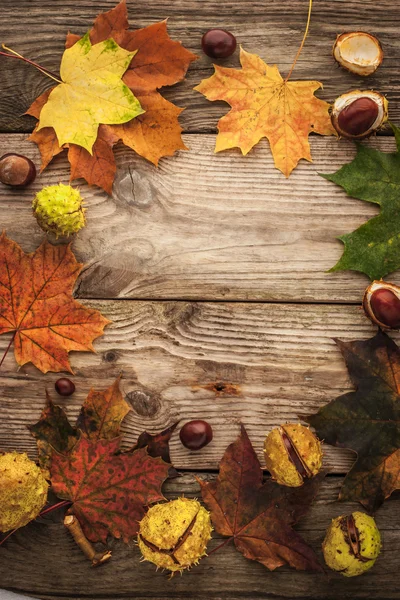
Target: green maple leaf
{"type": "Point", "coordinates": [373, 176]}
{"type": "Point", "coordinates": [91, 92]}
{"type": "Point", "coordinates": [367, 420]}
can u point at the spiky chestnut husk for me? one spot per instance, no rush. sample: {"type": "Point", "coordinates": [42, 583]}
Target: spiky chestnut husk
{"type": "Point", "coordinates": [174, 535]}
{"type": "Point", "coordinates": [23, 491]}
{"type": "Point", "coordinates": [381, 304]}
{"type": "Point", "coordinates": [352, 544]}
{"type": "Point", "coordinates": [358, 114]}
{"type": "Point", "coordinates": [292, 453]}
{"type": "Point", "coordinates": [58, 209]}
{"type": "Point", "coordinates": [358, 52]}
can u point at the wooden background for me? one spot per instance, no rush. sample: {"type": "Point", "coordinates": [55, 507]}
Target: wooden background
{"type": "Point", "coordinates": [213, 271]}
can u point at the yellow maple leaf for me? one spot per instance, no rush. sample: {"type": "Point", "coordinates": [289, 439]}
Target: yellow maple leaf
{"type": "Point", "coordinates": [266, 105]}
{"type": "Point", "coordinates": [91, 92]}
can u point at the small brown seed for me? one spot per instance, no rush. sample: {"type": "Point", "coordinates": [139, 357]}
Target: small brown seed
{"type": "Point", "coordinates": [16, 170]}
{"type": "Point", "coordinates": [358, 117]}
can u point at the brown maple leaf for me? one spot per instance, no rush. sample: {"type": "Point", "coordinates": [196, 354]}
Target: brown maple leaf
{"type": "Point", "coordinates": [37, 306]}
{"type": "Point", "coordinates": [108, 491]}
{"type": "Point", "coordinates": [158, 445]}
{"type": "Point", "coordinates": [159, 62]}
{"type": "Point", "coordinates": [259, 517]}
{"type": "Point", "coordinates": [53, 431]}
{"type": "Point", "coordinates": [102, 413]}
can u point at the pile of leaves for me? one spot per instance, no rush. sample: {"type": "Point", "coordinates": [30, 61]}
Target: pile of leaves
{"type": "Point", "coordinates": [156, 61]}
{"type": "Point", "coordinates": [108, 489]}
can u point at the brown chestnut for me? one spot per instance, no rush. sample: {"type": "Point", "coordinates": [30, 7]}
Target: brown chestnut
{"type": "Point", "coordinates": [16, 170]}
{"type": "Point", "coordinates": [64, 386]}
{"type": "Point", "coordinates": [382, 304]}
{"type": "Point", "coordinates": [196, 434]}
{"type": "Point", "coordinates": [358, 114]}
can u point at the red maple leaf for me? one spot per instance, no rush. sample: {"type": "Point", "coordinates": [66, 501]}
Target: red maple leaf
{"type": "Point", "coordinates": [109, 492]}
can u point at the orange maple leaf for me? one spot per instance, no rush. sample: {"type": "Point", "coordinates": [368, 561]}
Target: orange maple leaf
{"type": "Point", "coordinates": [159, 62]}
{"type": "Point", "coordinates": [37, 306]}
{"type": "Point", "coordinates": [266, 105]}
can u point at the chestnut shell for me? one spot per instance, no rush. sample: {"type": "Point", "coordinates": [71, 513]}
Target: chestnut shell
{"type": "Point", "coordinates": [368, 309]}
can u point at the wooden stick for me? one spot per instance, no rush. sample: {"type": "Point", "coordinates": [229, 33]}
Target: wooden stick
{"type": "Point", "coordinates": [74, 527]}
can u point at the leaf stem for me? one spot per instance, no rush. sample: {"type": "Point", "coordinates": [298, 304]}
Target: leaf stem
{"type": "Point", "coordinates": [8, 348]}
{"type": "Point", "coordinates": [9, 534]}
{"type": "Point", "coordinates": [220, 546]}
{"type": "Point", "coordinates": [30, 62]}
{"type": "Point", "coordinates": [302, 41]}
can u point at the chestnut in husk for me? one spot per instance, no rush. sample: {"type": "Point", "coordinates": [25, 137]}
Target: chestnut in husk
{"type": "Point", "coordinates": [358, 114]}
{"type": "Point", "coordinates": [381, 304]}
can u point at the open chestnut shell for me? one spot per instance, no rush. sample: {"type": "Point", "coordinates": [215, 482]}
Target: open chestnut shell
{"type": "Point", "coordinates": [358, 114]}
{"type": "Point", "coordinates": [381, 304]}
{"type": "Point", "coordinates": [358, 52]}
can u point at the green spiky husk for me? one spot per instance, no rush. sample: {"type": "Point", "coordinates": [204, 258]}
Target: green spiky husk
{"type": "Point", "coordinates": [58, 209]}
{"type": "Point", "coordinates": [23, 491]}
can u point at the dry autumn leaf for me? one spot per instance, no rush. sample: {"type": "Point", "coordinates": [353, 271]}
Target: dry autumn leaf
{"type": "Point", "coordinates": [91, 92]}
{"type": "Point", "coordinates": [266, 105]}
{"type": "Point", "coordinates": [159, 62]}
{"type": "Point", "coordinates": [108, 491]}
{"type": "Point", "coordinates": [259, 517]}
{"type": "Point", "coordinates": [37, 307]}
{"type": "Point", "coordinates": [367, 420]}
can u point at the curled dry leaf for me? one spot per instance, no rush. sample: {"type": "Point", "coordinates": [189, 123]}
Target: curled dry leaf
{"type": "Point", "coordinates": [37, 307]}
{"type": "Point", "coordinates": [259, 517]}
{"type": "Point", "coordinates": [158, 62]}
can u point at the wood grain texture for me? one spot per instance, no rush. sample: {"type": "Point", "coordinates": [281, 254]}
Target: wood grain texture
{"type": "Point", "coordinates": [208, 226]}
{"type": "Point", "coordinates": [273, 30]}
{"type": "Point", "coordinates": [260, 364]}
{"type": "Point", "coordinates": [42, 560]}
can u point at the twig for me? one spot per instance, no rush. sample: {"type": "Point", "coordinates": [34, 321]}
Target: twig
{"type": "Point", "coordinates": [30, 62]}
{"type": "Point", "coordinates": [74, 527]}
{"type": "Point", "coordinates": [302, 41]}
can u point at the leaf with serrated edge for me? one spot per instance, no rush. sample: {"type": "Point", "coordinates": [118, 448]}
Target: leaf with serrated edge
{"type": "Point", "coordinates": [91, 92]}
{"type": "Point", "coordinates": [159, 62]}
{"type": "Point", "coordinates": [259, 517]}
{"type": "Point", "coordinates": [37, 306]}
{"type": "Point", "coordinates": [265, 105]}
{"type": "Point", "coordinates": [102, 413]}
{"type": "Point", "coordinates": [367, 420]}
{"type": "Point", "coordinates": [109, 492]}
{"type": "Point", "coordinates": [373, 176]}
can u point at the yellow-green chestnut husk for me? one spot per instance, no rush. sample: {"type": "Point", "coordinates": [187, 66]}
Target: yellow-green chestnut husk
{"type": "Point", "coordinates": [174, 535]}
{"type": "Point", "coordinates": [58, 209]}
{"type": "Point", "coordinates": [352, 544]}
{"type": "Point", "coordinates": [23, 491]}
{"type": "Point", "coordinates": [292, 454]}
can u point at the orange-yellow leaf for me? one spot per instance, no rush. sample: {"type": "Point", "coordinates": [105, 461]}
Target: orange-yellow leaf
{"type": "Point", "coordinates": [265, 105]}
{"type": "Point", "coordinates": [159, 61]}
{"type": "Point", "coordinates": [37, 306]}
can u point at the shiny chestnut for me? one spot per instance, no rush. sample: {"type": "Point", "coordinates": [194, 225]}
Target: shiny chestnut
{"type": "Point", "coordinates": [196, 434]}
{"type": "Point", "coordinates": [382, 304]}
{"type": "Point", "coordinates": [16, 170]}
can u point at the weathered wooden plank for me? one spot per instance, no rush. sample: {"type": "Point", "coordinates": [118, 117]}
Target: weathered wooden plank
{"type": "Point", "coordinates": [260, 364]}
{"type": "Point", "coordinates": [273, 30]}
{"type": "Point", "coordinates": [206, 226]}
{"type": "Point", "coordinates": [42, 560]}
